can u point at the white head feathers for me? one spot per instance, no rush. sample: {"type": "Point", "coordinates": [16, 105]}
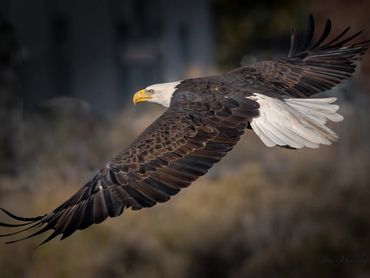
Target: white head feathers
{"type": "Point", "coordinates": [162, 93]}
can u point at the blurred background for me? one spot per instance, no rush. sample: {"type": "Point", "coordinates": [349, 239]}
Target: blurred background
{"type": "Point", "coordinates": [68, 70]}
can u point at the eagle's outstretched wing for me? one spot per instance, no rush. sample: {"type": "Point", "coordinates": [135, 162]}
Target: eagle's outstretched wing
{"type": "Point", "coordinates": [281, 86]}
{"type": "Point", "coordinates": [176, 149]}
{"type": "Point", "coordinates": [313, 67]}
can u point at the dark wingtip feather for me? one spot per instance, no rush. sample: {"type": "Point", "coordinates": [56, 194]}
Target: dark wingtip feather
{"type": "Point", "coordinates": [364, 44]}
{"type": "Point", "coordinates": [324, 34]}
{"type": "Point", "coordinates": [29, 224]}
{"type": "Point", "coordinates": [34, 226]}
{"type": "Point", "coordinates": [44, 229]}
{"type": "Point", "coordinates": [336, 38]}
{"type": "Point", "coordinates": [19, 218]}
{"type": "Point", "coordinates": [310, 32]}
{"type": "Point", "coordinates": [337, 43]}
{"type": "Point", "coordinates": [2, 224]}
{"type": "Point", "coordinates": [341, 43]}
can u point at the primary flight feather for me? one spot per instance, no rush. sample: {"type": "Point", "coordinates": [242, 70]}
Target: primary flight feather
{"type": "Point", "coordinates": [205, 118]}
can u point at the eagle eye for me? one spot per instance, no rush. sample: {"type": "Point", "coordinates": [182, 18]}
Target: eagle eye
{"type": "Point", "coordinates": [150, 92]}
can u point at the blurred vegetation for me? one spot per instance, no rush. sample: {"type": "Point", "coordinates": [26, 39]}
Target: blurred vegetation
{"type": "Point", "coordinates": [261, 212]}
{"type": "Point", "coordinates": [261, 28]}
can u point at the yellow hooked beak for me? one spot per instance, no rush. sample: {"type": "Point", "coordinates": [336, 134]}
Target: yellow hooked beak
{"type": "Point", "coordinates": [141, 96]}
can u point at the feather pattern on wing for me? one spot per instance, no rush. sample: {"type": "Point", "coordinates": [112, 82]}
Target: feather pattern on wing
{"type": "Point", "coordinates": [170, 154]}
{"type": "Point", "coordinates": [315, 68]}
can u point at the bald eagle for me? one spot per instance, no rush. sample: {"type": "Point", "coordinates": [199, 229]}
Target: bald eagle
{"type": "Point", "coordinates": [205, 118]}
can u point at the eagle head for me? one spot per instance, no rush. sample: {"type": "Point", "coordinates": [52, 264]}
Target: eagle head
{"type": "Point", "coordinates": [157, 93]}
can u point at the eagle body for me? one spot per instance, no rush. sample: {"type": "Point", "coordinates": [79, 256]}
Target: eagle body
{"type": "Point", "coordinates": [204, 119]}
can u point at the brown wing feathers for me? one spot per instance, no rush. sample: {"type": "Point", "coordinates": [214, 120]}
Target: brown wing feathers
{"type": "Point", "coordinates": [174, 151]}
{"type": "Point", "coordinates": [315, 67]}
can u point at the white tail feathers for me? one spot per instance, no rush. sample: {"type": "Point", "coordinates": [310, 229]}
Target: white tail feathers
{"type": "Point", "coordinates": [295, 122]}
